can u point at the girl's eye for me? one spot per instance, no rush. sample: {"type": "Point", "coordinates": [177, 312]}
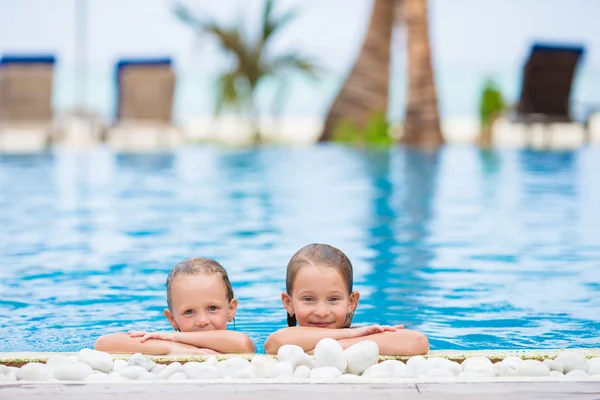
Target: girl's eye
{"type": "Point", "coordinates": [188, 312]}
{"type": "Point", "coordinates": [334, 299]}
{"type": "Point", "coordinates": [307, 299]}
{"type": "Point", "coordinates": [212, 308]}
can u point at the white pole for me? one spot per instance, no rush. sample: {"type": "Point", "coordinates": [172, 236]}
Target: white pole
{"type": "Point", "coordinates": [81, 54]}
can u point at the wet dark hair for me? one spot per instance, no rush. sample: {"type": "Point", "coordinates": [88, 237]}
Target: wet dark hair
{"type": "Point", "coordinates": [197, 266]}
{"type": "Point", "coordinates": [322, 255]}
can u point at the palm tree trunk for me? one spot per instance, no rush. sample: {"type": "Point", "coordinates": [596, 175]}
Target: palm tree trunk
{"type": "Point", "coordinates": [422, 121]}
{"type": "Point", "coordinates": [365, 91]}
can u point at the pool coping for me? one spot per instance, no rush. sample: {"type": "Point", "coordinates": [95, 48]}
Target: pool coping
{"type": "Point", "coordinates": [17, 359]}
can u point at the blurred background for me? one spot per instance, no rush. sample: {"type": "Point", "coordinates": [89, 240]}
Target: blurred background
{"type": "Point", "coordinates": [450, 148]}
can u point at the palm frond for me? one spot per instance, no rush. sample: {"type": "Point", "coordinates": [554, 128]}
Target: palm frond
{"type": "Point", "coordinates": [294, 62]}
{"type": "Point", "coordinates": [227, 91]}
{"type": "Point", "coordinates": [270, 25]}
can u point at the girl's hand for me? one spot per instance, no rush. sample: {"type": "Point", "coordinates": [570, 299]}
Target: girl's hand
{"type": "Point", "coordinates": [373, 329]}
{"type": "Point", "coordinates": [170, 336]}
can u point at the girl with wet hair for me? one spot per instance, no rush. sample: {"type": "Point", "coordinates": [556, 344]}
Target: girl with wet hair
{"type": "Point", "coordinates": [320, 303]}
{"type": "Point", "coordinates": [200, 303]}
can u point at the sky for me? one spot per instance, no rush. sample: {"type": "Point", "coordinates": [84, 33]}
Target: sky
{"type": "Point", "coordinates": [470, 38]}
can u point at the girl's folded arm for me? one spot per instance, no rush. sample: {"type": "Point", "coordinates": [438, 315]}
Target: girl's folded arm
{"type": "Point", "coordinates": [403, 342]}
{"type": "Point", "coordinates": [218, 340]}
{"type": "Point", "coordinates": [123, 343]}
{"type": "Point", "coordinates": [304, 336]}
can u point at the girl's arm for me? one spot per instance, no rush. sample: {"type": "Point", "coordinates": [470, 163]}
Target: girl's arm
{"type": "Point", "coordinates": [222, 341]}
{"type": "Point", "coordinates": [123, 343]}
{"type": "Point", "coordinates": [307, 337]}
{"type": "Point", "coordinates": [402, 342]}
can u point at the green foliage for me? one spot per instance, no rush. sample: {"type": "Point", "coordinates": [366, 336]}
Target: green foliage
{"type": "Point", "coordinates": [253, 63]}
{"type": "Point", "coordinates": [491, 103]}
{"type": "Point", "coordinates": [375, 132]}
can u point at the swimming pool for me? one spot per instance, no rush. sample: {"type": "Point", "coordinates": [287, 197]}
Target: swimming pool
{"type": "Point", "coordinates": [479, 250]}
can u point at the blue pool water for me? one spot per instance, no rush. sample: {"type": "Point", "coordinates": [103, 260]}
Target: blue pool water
{"type": "Point", "coordinates": [478, 250]}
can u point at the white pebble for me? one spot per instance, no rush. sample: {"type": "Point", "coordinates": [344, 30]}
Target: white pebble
{"type": "Point", "coordinates": [246, 373]}
{"type": "Point", "coordinates": [132, 372]}
{"type": "Point", "coordinates": [554, 365]}
{"type": "Point", "coordinates": [386, 369]}
{"type": "Point", "coordinates": [141, 360]}
{"type": "Point", "coordinates": [329, 353]}
{"type": "Point", "coordinates": [325, 374]}
{"type": "Point", "coordinates": [211, 361]}
{"type": "Point", "coordinates": [479, 365]}
{"type": "Point", "coordinates": [302, 372]}
{"type": "Point", "coordinates": [532, 368]}
{"type": "Point", "coordinates": [466, 376]}
{"type": "Point", "coordinates": [290, 353]}
{"type": "Point", "coordinates": [307, 361]}
{"type": "Point", "coordinates": [4, 370]}
{"type": "Point", "coordinates": [72, 372]}
{"type": "Point", "coordinates": [98, 360]}
{"type": "Point", "coordinates": [361, 356]}
{"type": "Point", "coordinates": [576, 374]}
{"type": "Point", "coordinates": [417, 364]}
{"type": "Point", "coordinates": [505, 369]}
{"type": "Point", "coordinates": [116, 377]}
{"type": "Point", "coordinates": [34, 372]}
{"type": "Point", "coordinates": [593, 361]}
{"type": "Point", "coordinates": [170, 369]}
{"type": "Point", "coordinates": [59, 359]}
{"type": "Point", "coordinates": [179, 376]}
{"type": "Point", "coordinates": [118, 365]}
{"type": "Point", "coordinates": [282, 368]}
{"type": "Point", "coordinates": [512, 360]}
{"type": "Point", "coordinates": [147, 376]}
{"type": "Point", "coordinates": [200, 371]}
{"type": "Point", "coordinates": [349, 378]}
{"type": "Point", "coordinates": [158, 369]}
{"type": "Point", "coordinates": [439, 373]}
{"type": "Point", "coordinates": [571, 361]}
{"type": "Point", "coordinates": [98, 377]}
{"type": "Point", "coordinates": [556, 373]}
{"type": "Point", "coordinates": [263, 366]}
{"type": "Point", "coordinates": [594, 369]}
{"type": "Point", "coordinates": [230, 366]}
{"type": "Point", "coordinates": [439, 362]}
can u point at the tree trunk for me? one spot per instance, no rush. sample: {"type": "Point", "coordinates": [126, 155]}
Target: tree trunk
{"type": "Point", "coordinates": [365, 91]}
{"type": "Point", "coordinates": [422, 121]}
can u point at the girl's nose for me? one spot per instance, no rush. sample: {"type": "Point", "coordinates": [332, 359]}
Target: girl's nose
{"type": "Point", "coordinates": [202, 321]}
{"type": "Point", "coordinates": [321, 310]}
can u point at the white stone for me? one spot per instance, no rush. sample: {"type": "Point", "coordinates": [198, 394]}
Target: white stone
{"type": "Point", "coordinates": [158, 369]}
{"type": "Point", "coordinates": [147, 376]}
{"type": "Point", "coordinates": [194, 370]}
{"type": "Point", "coordinates": [439, 362]}
{"type": "Point", "coordinates": [325, 374]}
{"type": "Point", "coordinates": [118, 365]}
{"type": "Point", "coordinates": [417, 364]}
{"type": "Point", "coordinates": [290, 353]}
{"type": "Point", "coordinates": [179, 376]}
{"type": "Point", "coordinates": [556, 373]}
{"type": "Point", "coordinates": [512, 360]}
{"type": "Point", "coordinates": [285, 378]}
{"type": "Point", "coordinates": [282, 368]}
{"type": "Point", "coordinates": [98, 377]}
{"type": "Point", "coordinates": [132, 372]}
{"type": "Point", "coordinates": [34, 372]}
{"type": "Point", "coordinates": [576, 374]}
{"type": "Point", "coordinates": [98, 360]}
{"type": "Point", "coordinates": [571, 361]}
{"type": "Point", "coordinates": [141, 360]}
{"type": "Point", "coordinates": [4, 370]}
{"type": "Point", "coordinates": [246, 373]}
{"type": "Point", "coordinates": [388, 368]}
{"type": "Point", "coordinates": [170, 369]}
{"type": "Point", "coordinates": [59, 359]}
{"type": "Point", "coordinates": [302, 372]}
{"type": "Point", "coordinates": [230, 366]}
{"type": "Point", "coordinates": [532, 368]}
{"type": "Point", "coordinates": [329, 353]}
{"type": "Point", "coordinates": [594, 369]}
{"type": "Point", "coordinates": [439, 373]}
{"type": "Point", "coordinates": [505, 369]}
{"type": "Point", "coordinates": [72, 372]}
{"type": "Point", "coordinates": [361, 356]}
{"type": "Point", "coordinates": [263, 366]}
{"type": "Point", "coordinates": [307, 361]}
{"type": "Point", "coordinates": [116, 377]}
{"type": "Point", "coordinates": [479, 365]}
{"type": "Point", "coordinates": [466, 376]}
{"type": "Point", "coordinates": [593, 361]}
{"type": "Point", "coordinates": [554, 365]}
{"type": "Point", "coordinates": [349, 378]}
{"type": "Point", "coordinates": [211, 361]}
{"type": "Point", "coordinates": [11, 377]}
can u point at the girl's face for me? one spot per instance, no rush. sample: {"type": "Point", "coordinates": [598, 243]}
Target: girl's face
{"type": "Point", "coordinates": [199, 303]}
{"type": "Point", "coordinates": [320, 298]}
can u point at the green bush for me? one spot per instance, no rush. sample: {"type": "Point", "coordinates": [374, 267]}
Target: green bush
{"type": "Point", "coordinates": [491, 102]}
{"type": "Point", "coordinates": [375, 132]}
